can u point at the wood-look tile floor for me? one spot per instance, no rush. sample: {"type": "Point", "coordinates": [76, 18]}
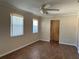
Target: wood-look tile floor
{"type": "Point", "coordinates": [44, 50]}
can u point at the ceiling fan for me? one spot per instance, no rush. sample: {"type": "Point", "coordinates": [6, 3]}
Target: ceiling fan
{"type": "Point", "coordinates": [44, 9]}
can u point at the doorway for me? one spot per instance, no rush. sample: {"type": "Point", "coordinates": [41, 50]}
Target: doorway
{"type": "Point", "coordinates": [54, 31]}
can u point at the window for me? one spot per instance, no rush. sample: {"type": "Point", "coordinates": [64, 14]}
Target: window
{"type": "Point", "coordinates": [35, 26]}
{"type": "Point", "coordinates": [16, 28]}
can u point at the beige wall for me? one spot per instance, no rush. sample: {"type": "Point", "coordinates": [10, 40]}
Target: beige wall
{"type": "Point", "coordinates": [8, 43]}
{"type": "Point", "coordinates": [68, 29]}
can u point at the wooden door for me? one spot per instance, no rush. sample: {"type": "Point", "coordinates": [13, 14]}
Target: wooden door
{"type": "Point", "coordinates": [54, 32]}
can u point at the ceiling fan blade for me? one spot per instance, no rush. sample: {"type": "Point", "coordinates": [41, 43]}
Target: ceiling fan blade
{"type": "Point", "coordinates": [52, 9]}
{"type": "Point", "coordinates": [43, 6]}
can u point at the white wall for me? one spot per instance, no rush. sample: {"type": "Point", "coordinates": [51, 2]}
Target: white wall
{"type": "Point", "coordinates": [68, 29]}
{"type": "Point", "coordinates": [78, 32]}
{"type": "Point", "coordinates": [45, 30]}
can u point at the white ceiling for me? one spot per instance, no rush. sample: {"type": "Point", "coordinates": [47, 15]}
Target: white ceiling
{"type": "Point", "coordinates": [65, 6]}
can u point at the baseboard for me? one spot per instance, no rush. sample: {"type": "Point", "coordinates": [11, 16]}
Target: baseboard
{"type": "Point", "coordinates": [17, 48]}
{"type": "Point", "coordinates": [60, 42]}
{"type": "Point", "coordinates": [68, 44]}
{"type": "Point", "coordinates": [45, 40]}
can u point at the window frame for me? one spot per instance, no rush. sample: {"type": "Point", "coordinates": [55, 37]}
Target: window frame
{"type": "Point", "coordinates": [11, 24]}
{"type": "Point", "coordinates": [33, 25]}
